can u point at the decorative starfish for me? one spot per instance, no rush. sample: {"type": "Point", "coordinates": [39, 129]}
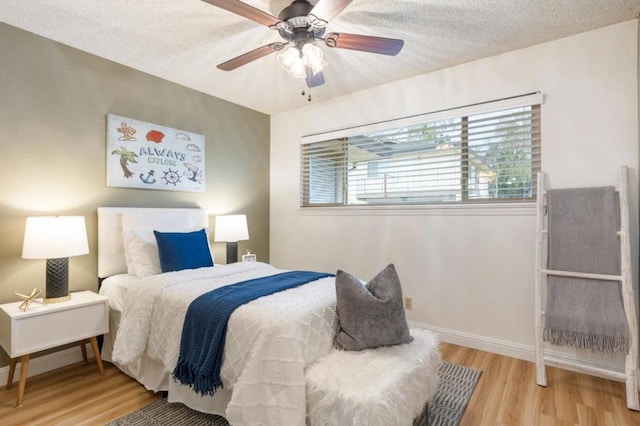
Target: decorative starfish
{"type": "Point", "coordinates": [27, 299]}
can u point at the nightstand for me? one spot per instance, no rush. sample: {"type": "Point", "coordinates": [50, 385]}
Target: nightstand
{"type": "Point", "coordinates": [41, 327]}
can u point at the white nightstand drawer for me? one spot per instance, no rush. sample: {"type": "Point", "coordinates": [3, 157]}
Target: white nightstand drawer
{"type": "Point", "coordinates": [47, 326]}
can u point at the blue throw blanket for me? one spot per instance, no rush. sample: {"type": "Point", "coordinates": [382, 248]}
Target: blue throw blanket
{"type": "Point", "coordinates": [205, 326]}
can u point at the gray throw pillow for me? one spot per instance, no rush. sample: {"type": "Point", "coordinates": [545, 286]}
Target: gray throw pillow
{"type": "Point", "coordinates": [371, 315]}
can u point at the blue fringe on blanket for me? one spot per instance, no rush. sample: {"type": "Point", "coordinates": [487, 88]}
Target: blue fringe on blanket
{"type": "Point", "coordinates": [205, 326]}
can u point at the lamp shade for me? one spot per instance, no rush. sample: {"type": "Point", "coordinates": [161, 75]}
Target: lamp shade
{"type": "Point", "coordinates": [52, 237]}
{"type": "Point", "coordinates": [231, 228]}
{"type": "Point", "coordinates": [55, 238]}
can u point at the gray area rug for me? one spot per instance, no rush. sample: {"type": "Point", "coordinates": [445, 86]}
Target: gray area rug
{"type": "Point", "coordinates": [456, 387]}
{"type": "Point", "coordinates": [457, 384]}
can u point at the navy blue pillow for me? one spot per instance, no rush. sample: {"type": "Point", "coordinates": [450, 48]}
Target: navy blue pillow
{"type": "Point", "coordinates": [183, 250]}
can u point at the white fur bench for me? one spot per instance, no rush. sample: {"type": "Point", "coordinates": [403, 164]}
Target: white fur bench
{"type": "Point", "coordinates": [384, 386]}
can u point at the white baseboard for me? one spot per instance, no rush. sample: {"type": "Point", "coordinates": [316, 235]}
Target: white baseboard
{"type": "Point", "coordinates": [45, 363]}
{"type": "Point", "coordinates": [487, 344]}
{"type": "Point", "coordinates": [510, 349]}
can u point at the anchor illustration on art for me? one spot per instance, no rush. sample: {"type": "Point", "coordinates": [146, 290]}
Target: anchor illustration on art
{"type": "Point", "coordinates": [194, 172]}
{"type": "Point", "coordinates": [149, 179]}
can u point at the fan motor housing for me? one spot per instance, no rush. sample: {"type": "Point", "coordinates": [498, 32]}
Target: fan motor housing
{"type": "Point", "coordinates": [299, 8]}
{"type": "Point", "coordinates": [299, 31]}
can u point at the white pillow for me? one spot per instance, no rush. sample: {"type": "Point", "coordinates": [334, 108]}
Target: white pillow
{"type": "Point", "coordinates": [128, 253]}
{"type": "Point", "coordinates": [143, 224]}
{"type": "Point", "coordinates": [145, 259]}
{"type": "Point", "coordinates": [131, 269]}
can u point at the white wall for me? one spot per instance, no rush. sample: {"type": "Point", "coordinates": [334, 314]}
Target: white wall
{"type": "Point", "coordinates": [470, 271]}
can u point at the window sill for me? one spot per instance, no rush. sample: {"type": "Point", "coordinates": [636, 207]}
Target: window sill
{"type": "Point", "coordinates": [495, 209]}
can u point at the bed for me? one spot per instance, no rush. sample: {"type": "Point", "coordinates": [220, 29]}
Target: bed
{"type": "Point", "coordinates": [269, 341]}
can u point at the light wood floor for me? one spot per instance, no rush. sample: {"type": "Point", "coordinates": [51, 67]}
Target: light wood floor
{"type": "Point", "coordinates": [507, 394]}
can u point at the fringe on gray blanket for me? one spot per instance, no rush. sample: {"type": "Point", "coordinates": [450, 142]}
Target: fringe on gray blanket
{"type": "Point", "coordinates": [582, 235]}
{"type": "Point", "coordinates": [594, 342]}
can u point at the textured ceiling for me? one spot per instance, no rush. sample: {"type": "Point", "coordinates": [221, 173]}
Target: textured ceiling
{"type": "Point", "coordinates": [183, 40]}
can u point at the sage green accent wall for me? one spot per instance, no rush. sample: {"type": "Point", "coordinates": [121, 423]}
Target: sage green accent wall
{"type": "Point", "coordinates": [53, 105]}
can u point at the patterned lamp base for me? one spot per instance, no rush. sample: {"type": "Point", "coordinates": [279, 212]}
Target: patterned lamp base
{"type": "Point", "coordinates": [232, 252]}
{"type": "Point", "coordinates": [57, 280]}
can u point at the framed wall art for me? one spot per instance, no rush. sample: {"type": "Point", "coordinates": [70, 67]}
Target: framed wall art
{"type": "Point", "coordinates": [151, 156]}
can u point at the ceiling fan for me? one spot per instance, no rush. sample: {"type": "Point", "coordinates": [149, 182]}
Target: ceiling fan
{"type": "Point", "coordinates": [301, 24]}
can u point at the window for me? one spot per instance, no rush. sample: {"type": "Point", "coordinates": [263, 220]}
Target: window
{"type": "Point", "coordinates": [482, 153]}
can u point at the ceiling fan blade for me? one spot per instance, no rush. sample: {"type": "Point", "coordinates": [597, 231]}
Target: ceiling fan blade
{"type": "Point", "coordinates": [385, 46]}
{"type": "Point", "coordinates": [244, 59]}
{"type": "Point", "coordinates": [246, 11]}
{"type": "Point", "coordinates": [326, 10]}
{"type": "Point", "coordinates": [314, 80]}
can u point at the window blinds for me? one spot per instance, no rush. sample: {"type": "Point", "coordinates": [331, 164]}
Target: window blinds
{"type": "Point", "coordinates": [488, 152]}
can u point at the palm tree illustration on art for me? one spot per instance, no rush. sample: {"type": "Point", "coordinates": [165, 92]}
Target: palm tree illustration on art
{"type": "Point", "coordinates": [126, 157]}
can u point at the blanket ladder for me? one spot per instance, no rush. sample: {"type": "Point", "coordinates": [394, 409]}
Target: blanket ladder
{"type": "Point", "coordinates": [630, 374]}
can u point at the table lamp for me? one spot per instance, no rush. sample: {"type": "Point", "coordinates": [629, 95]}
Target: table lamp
{"type": "Point", "coordinates": [55, 238]}
{"type": "Point", "coordinates": [231, 229]}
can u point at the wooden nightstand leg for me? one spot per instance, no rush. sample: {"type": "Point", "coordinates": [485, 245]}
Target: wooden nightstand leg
{"type": "Point", "coordinates": [83, 346]}
{"type": "Point", "coordinates": [12, 370]}
{"type": "Point", "coordinates": [24, 367]}
{"type": "Point", "coordinates": [96, 354]}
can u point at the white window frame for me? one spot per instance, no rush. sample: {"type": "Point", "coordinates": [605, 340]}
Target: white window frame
{"type": "Point", "coordinates": [453, 113]}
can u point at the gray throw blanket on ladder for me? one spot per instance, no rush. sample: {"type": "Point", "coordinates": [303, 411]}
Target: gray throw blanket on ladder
{"type": "Point", "coordinates": [582, 231]}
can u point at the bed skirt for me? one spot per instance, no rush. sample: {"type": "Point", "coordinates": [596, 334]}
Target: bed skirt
{"type": "Point", "coordinates": [152, 375]}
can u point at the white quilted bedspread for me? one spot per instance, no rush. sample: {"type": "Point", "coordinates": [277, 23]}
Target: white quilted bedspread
{"type": "Point", "coordinates": [269, 341]}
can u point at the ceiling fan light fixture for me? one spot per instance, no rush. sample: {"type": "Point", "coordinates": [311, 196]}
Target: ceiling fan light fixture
{"type": "Point", "coordinates": [296, 62]}
{"type": "Point", "coordinates": [292, 62]}
{"type": "Point", "coordinates": [313, 58]}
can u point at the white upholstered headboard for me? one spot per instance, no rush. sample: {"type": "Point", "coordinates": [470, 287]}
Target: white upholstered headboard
{"type": "Point", "coordinates": [111, 259]}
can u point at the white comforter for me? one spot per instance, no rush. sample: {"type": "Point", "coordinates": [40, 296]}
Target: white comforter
{"type": "Point", "coordinates": [269, 341]}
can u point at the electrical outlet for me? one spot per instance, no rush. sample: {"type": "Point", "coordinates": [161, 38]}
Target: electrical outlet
{"type": "Point", "coordinates": [408, 303]}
